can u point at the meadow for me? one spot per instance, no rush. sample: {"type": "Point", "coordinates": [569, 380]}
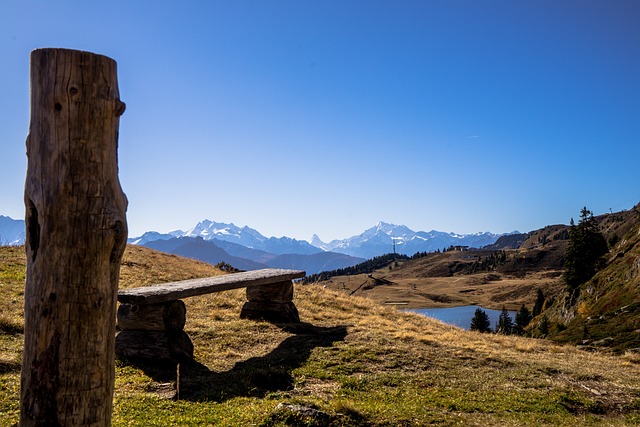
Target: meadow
{"type": "Point", "coordinates": [354, 361]}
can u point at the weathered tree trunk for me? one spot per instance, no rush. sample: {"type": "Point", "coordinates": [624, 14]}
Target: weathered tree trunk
{"type": "Point", "coordinates": [76, 235]}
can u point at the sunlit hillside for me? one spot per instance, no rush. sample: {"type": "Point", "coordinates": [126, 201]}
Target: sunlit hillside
{"type": "Point", "coordinates": [352, 362]}
{"type": "Point", "coordinates": [605, 313]}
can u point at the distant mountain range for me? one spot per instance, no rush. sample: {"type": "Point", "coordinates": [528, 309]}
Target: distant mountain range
{"type": "Point", "coordinates": [380, 240]}
{"type": "Point", "coordinates": [245, 236]}
{"type": "Point", "coordinates": [215, 251]}
{"type": "Point", "coordinates": [247, 249]}
{"type": "Point", "coordinates": [244, 248]}
{"type": "Point", "coordinates": [12, 231]}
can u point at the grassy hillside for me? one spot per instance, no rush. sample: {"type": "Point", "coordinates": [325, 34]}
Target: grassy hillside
{"type": "Point", "coordinates": [358, 363]}
{"type": "Point", "coordinates": [607, 311]}
{"type": "Point", "coordinates": [606, 314]}
{"type": "Point", "coordinates": [492, 279]}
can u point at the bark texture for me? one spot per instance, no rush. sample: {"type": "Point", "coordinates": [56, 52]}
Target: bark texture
{"type": "Point", "coordinates": [76, 235]}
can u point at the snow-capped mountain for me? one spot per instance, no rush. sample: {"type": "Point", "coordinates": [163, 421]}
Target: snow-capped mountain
{"type": "Point", "coordinates": [245, 236]}
{"type": "Point", "coordinates": [12, 231]}
{"type": "Point", "coordinates": [380, 239]}
{"type": "Point", "coordinates": [215, 251]}
{"type": "Point", "coordinates": [151, 236]}
{"type": "Point", "coordinates": [377, 240]}
{"type": "Point", "coordinates": [250, 249]}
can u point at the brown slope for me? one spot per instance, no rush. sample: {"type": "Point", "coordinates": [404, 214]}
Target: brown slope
{"type": "Point", "coordinates": [461, 278]}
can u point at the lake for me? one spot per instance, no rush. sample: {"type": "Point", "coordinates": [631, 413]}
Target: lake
{"type": "Point", "coordinates": [460, 316]}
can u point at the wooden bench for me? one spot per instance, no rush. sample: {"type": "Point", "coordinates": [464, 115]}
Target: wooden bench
{"type": "Point", "coordinates": [151, 319]}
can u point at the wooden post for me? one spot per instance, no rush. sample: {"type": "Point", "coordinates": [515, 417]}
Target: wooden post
{"type": "Point", "coordinates": [76, 235]}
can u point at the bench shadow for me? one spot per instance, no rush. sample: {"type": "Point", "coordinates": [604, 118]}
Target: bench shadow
{"type": "Point", "coordinates": [254, 377]}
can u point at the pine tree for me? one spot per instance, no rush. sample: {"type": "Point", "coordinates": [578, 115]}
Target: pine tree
{"type": "Point", "coordinates": [586, 247]}
{"type": "Point", "coordinates": [537, 306]}
{"type": "Point", "coordinates": [543, 325]}
{"type": "Point", "coordinates": [523, 318]}
{"type": "Point", "coordinates": [480, 321]}
{"type": "Point", "coordinates": [505, 323]}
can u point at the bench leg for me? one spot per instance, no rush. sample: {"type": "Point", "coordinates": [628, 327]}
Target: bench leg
{"type": "Point", "coordinates": [153, 332]}
{"type": "Point", "coordinates": [273, 303]}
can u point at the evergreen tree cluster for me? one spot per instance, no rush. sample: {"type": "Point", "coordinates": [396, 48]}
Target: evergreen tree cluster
{"type": "Point", "coordinates": [480, 321]}
{"type": "Point", "coordinates": [560, 235]}
{"type": "Point", "coordinates": [538, 306]}
{"type": "Point", "coordinates": [523, 318]}
{"type": "Point", "coordinates": [487, 263]}
{"type": "Point", "coordinates": [367, 266]}
{"type": "Point", "coordinates": [419, 255]}
{"type": "Point", "coordinates": [506, 325]}
{"type": "Point", "coordinates": [587, 246]}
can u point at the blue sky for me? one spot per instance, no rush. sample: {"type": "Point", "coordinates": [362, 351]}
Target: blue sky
{"type": "Point", "coordinates": [302, 117]}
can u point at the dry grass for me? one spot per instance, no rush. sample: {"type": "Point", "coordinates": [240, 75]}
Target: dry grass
{"type": "Point", "coordinates": [362, 363]}
{"type": "Point", "coordinates": [143, 266]}
{"type": "Point", "coordinates": [445, 279]}
{"type": "Point", "coordinates": [490, 290]}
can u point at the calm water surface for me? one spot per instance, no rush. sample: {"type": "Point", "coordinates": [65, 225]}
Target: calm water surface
{"type": "Point", "coordinates": [460, 316]}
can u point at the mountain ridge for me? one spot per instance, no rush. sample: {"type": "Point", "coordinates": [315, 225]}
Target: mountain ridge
{"type": "Point", "coordinates": [12, 231]}
{"type": "Point", "coordinates": [250, 238]}
{"type": "Point", "coordinates": [386, 238]}
{"type": "Point", "coordinates": [250, 246]}
{"type": "Point", "coordinates": [215, 251]}
{"type": "Point", "coordinates": [382, 232]}
{"type": "Point", "coordinates": [246, 248]}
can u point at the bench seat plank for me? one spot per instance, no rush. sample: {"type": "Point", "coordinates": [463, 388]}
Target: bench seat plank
{"type": "Point", "coordinates": [188, 288]}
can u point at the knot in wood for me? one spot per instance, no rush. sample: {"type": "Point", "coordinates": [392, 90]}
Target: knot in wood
{"type": "Point", "coordinates": [120, 107]}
